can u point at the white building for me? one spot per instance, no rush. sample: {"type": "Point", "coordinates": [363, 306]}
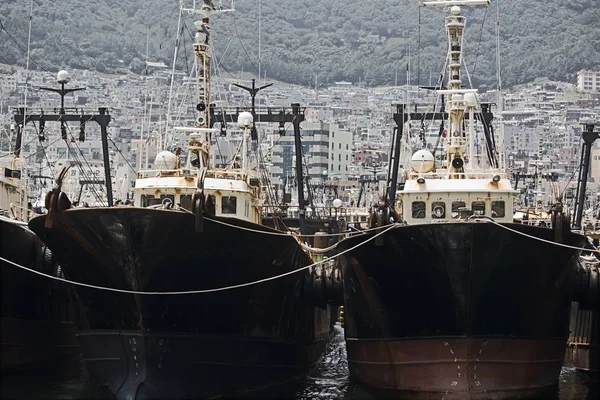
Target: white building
{"type": "Point", "coordinates": [588, 81]}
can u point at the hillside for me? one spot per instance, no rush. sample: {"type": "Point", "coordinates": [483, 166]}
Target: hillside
{"type": "Point", "coordinates": [328, 40]}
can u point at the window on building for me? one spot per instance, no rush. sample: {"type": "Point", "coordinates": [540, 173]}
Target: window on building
{"type": "Point", "coordinates": [346, 146]}
{"type": "Point", "coordinates": [339, 167]}
{"type": "Point", "coordinates": [339, 157]}
{"type": "Point", "coordinates": [418, 209]}
{"type": "Point", "coordinates": [332, 146]}
{"type": "Point", "coordinates": [498, 209]}
{"type": "Point", "coordinates": [228, 205]}
{"type": "Point", "coordinates": [339, 146]}
{"type": "Point", "coordinates": [438, 210]}
{"type": "Point", "coordinates": [478, 207]}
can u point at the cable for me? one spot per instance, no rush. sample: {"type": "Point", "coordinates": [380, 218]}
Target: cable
{"type": "Point", "coordinates": [536, 238]}
{"type": "Point", "coordinates": [479, 44]}
{"type": "Point", "coordinates": [188, 292]}
{"type": "Point", "coordinates": [2, 27]}
{"type": "Point", "coordinates": [242, 44]}
{"type": "Point", "coordinates": [127, 161]}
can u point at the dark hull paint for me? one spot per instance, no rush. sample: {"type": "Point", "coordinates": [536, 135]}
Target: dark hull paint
{"type": "Point", "coordinates": [583, 350]}
{"type": "Point", "coordinates": [186, 346]}
{"type": "Point", "coordinates": [423, 300]}
{"type": "Point", "coordinates": [37, 322]}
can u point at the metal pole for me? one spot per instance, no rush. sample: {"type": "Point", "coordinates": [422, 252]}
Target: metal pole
{"type": "Point", "coordinates": [103, 119]}
{"type": "Point", "coordinates": [396, 157]}
{"type": "Point", "coordinates": [589, 137]}
{"type": "Point", "coordinates": [298, 118]}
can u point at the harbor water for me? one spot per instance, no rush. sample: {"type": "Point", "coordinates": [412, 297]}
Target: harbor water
{"type": "Point", "coordinates": [330, 380]}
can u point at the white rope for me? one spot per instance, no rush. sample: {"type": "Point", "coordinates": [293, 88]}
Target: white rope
{"type": "Point", "coordinates": [537, 238]}
{"type": "Point", "coordinates": [289, 233]}
{"type": "Point", "coordinates": [221, 289]}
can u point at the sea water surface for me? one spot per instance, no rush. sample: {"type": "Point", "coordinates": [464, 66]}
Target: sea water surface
{"type": "Point", "coordinates": [329, 381]}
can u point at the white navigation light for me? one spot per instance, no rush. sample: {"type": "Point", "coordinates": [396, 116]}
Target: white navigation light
{"type": "Point", "coordinates": [165, 160]}
{"type": "Point", "coordinates": [337, 203]}
{"type": "Point", "coordinates": [62, 76]}
{"type": "Point", "coordinates": [422, 162]}
{"type": "Point", "coordinates": [245, 120]}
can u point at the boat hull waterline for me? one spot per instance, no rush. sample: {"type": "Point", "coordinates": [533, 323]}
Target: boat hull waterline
{"type": "Point", "coordinates": [466, 310]}
{"type": "Point", "coordinates": [187, 346]}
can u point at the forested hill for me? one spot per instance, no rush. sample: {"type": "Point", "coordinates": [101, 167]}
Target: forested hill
{"type": "Point", "coordinates": [301, 41]}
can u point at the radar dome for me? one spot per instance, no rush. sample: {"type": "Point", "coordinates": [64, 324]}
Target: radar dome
{"type": "Point", "coordinates": [165, 160]}
{"type": "Point", "coordinates": [245, 120]}
{"type": "Point", "coordinates": [422, 161]}
{"type": "Point", "coordinates": [471, 100]}
{"type": "Point", "coordinates": [62, 76]}
{"type": "Point", "coordinates": [337, 203]}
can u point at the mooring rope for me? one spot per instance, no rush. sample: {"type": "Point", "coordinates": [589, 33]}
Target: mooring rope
{"type": "Point", "coordinates": [536, 238]}
{"type": "Point", "coordinates": [188, 292]}
{"type": "Point", "coordinates": [289, 233]}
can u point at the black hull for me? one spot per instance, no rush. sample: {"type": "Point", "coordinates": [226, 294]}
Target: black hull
{"type": "Point", "coordinates": [37, 322]}
{"type": "Point", "coordinates": [186, 346]}
{"type": "Point", "coordinates": [462, 310]}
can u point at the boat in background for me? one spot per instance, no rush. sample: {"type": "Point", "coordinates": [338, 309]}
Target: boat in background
{"type": "Point", "coordinates": [194, 228]}
{"type": "Point", "coordinates": [456, 301]}
{"type": "Point", "coordinates": [37, 322]}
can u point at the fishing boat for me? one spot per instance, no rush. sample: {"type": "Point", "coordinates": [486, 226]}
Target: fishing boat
{"type": "Point", "coordinates": [189, 322]}
{"type": "Point", "coordinates": [37, 322]}
{"type": "Point", "coordinates": [455, 300]}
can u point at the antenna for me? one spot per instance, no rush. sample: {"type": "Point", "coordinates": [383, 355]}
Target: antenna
{"type": "Point", "coordinates": [200, 139]}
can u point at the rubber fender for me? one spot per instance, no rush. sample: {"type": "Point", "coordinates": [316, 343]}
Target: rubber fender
{"type": "Point", "coordinates": [308, 283]}
{"type": "Point", "coordinates": [319, 289]}
{"type": "Point", "coordinates": [198, 210]}
{"type": "Point", "coordinates": [580, 282]}
{"type": "Point", "coordinates": [586, 286]}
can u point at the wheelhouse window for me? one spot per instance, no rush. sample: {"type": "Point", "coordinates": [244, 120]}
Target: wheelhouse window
{"type": "Point", "coordinates": [457, 207]}
{"type": "Point", "coordinates": [418, 209]}
{"type": "Point", "coordinates": [185, 201]}
{"type": "Point", "coordinates": [150, 200]}
{"type": "Point", "coordinates": [478, 207]}
{"type": "Point", "coordinates": [438, 210]}
{"type": "Point", "coordinates": [228, 204]}
{"type": "Point", "coordinates": [498, 209]}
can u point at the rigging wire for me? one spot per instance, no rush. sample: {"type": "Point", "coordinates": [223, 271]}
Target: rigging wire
{"type": "Point", "coordinates": [179, 32]}
{"type": "Point", "coordinates": [119, 151]}
{"type": "Point", "coordinates": [242, 44]}
{"type": "Point", "coordinates": [25, 51]}
{"type": "Point", "coordinates": [479, 42]}
{"type": "Point", "coordinates": [75, 156]}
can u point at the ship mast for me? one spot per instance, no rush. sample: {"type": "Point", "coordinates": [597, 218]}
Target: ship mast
{"type": "Point", "coordinates": [199, 139]}
{"type": "Point", "coordinates": [458, 100]}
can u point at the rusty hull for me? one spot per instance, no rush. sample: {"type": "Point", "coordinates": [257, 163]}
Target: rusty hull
{"type": "Point", "coordinates": [457, 368]}
{"type": "Point", "coordinates": [458, 310]}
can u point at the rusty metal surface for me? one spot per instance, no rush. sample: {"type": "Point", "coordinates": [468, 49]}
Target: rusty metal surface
{"type": "Point", "coordinates": [470, 309]}
{"type": "Point", "coordinates": [584, 339]}
{"type": "Point", "coordinates": [457, 368]}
